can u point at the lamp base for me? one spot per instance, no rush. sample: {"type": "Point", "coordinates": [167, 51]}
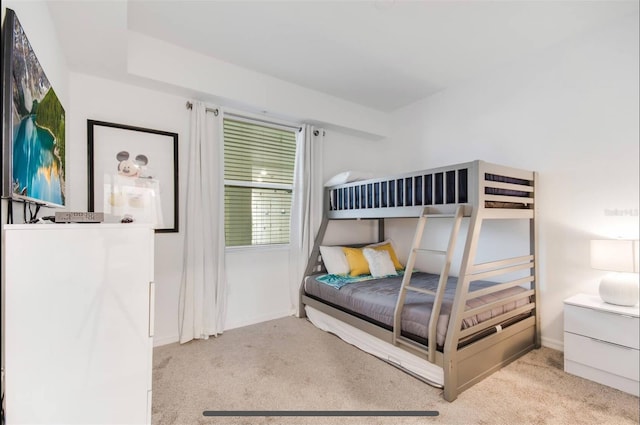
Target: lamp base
{"type": "Point", "coordinates": [620, 289]}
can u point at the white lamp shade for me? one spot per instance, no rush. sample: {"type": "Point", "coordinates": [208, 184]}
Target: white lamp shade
{"type": "Point", "coordinates": [616, 255]}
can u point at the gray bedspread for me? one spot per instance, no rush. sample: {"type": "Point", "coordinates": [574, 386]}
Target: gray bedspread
{"type": "Point", "coordinates": [376, 299]}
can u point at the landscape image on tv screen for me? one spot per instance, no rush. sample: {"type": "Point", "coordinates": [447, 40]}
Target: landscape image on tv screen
{"type": "Point", "coordinates": [37, 127]}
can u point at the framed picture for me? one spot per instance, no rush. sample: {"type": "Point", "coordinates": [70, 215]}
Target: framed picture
{"type": "Point", "coordinates": [33, 124]}
{"type": "Point", "coordinates": [133, 174]}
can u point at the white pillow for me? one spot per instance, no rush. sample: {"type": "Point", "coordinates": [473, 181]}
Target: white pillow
{"type": "Point", "coordinates": [392, 252]}
{"type": "Point", "coordinates": [347, 177]}
{"type": "Point", "coordinates": [334, 259]}
{"type": "Point", "coordinates": [380, 263]}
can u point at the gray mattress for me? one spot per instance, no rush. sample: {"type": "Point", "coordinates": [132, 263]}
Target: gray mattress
{"type": "Point", "coordinates": [376, 300]}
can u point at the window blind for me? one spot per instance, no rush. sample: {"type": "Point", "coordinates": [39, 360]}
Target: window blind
{"type": "Point", "coordinates": [259, 162]}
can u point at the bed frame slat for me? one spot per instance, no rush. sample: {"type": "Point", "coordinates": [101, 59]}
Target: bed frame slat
{"type": "Point", "coordinates": [508, 186]}
{"type": "Point", "coordinates": [498, 272]}
{"type": "Point", "coordinates": [498, 303]}
{"type": "Point", "coordinates": [511, 199]}
{"type": "Point", "coordinates": [496, 320]}
{"type": "Point", "coordinates": [499, 287]}
{"type": "Point", "coordinates": [500, 263]}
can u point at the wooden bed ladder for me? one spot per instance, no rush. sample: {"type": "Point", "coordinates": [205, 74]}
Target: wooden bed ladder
{"type": "Point", "coordinates": [442, 283]}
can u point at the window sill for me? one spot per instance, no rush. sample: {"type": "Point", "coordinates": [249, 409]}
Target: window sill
{"type": "Point", "coordinates": [256, 248]}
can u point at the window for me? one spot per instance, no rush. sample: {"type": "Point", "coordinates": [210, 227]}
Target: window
{"type": "Point", "coordinates": [258, 179]}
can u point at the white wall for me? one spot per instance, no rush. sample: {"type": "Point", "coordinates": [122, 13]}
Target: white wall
{"type": "Point", "coordinates": [231, 85]}
{"type": "Point", "coordinates": [157, 69]}
{"type": "Point", "coordinates": [571, 114]}
{"type": "Point", "coordinates": [256, 293]}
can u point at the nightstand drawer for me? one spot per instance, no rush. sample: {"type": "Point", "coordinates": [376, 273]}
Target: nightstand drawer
{"type": "Point", "coordinates": [611, 358]}
{"type": "Point", "coordinates": [611, 327]}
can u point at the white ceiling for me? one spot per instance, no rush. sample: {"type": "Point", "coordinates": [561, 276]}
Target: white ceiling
{"type": "Point", "coordinates": [382, 54]}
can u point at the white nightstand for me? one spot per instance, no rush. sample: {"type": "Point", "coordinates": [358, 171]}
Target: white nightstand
{"type": "Point", "coordinates": [602, 342]}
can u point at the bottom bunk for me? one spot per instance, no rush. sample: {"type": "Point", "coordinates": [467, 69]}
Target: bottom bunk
{"type": "Point", "coordinates": [375, 300]}
{"type": "Point", "coordinates": [361, 313]}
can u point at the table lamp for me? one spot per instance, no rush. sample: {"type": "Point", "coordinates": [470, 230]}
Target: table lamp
{"type": "Point", "coordinates": [620, 257]}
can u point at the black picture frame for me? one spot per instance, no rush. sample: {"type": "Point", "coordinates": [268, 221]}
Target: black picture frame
{"type": "Point", "coordinates": [153, 152]}
{"type": "Point", "coordinates": [33, 124]}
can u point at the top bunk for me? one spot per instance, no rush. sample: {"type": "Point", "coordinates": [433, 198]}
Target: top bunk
{"type": "Point", "coordinates": [495, 190]}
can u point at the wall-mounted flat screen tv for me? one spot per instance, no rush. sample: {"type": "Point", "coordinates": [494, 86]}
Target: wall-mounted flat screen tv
{"type": "Point", "coordinates": [33, 134]}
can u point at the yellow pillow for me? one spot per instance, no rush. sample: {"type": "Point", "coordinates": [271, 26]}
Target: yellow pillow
{"type": "Point", "coordinates": [388, 247]}
{"type": "Point", "coordinates": [357, 262]}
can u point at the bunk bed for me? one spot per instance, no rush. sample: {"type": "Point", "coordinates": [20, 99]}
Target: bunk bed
{"type": "Point", "coordinates": [448, 331]}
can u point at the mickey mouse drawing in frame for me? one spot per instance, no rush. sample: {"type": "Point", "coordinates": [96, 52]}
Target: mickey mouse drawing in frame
{"type": "Point", "coordinates": [131, 168]}
{"type": "Point", "coordinates": [133, 194]}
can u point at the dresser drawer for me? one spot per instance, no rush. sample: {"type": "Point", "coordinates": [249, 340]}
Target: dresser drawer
{"type": "Point", "coordinates": [623, 384]}
{"type": "Point", "coordinates": [611, 358]}
{"type": "Point", "coordinates": [611, 327]}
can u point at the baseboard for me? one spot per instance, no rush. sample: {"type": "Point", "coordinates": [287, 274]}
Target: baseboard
{"type": "Point", "coordinates": [553, 343]}
{"type": "Point", "coordinates": [254, 320]}
{"type": "Point", "coordinates": [159, 341]}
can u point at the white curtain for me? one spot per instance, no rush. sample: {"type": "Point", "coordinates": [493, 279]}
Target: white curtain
{"type": "Point", "coordinates": [306, 206]}
{"type": "Point", "coordinates": [203, 298]}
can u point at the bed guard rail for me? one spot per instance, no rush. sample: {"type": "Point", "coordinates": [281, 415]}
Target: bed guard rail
{"type": "Point", "coordinates": [477, 183]}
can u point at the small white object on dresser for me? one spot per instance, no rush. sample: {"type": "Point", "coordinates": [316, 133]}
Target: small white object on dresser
{"type": "Point", "coordinates": [602, 342]}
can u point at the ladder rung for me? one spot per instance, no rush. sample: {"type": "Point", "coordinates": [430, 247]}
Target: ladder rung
{"type": "Point", "coordinates": [421, 290]}
{"type": "Point", "coordinates": [443, 215]}
{"type": "Point", "coordinates": [432, 251]}
{"type": "Point", "coordinates": [410, 343]}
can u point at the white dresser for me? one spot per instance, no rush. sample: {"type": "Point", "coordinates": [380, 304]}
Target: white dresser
{"type": "Point", "coordinates": [602, 342]}
{"type": "Point", "coordinates": [78, 323]}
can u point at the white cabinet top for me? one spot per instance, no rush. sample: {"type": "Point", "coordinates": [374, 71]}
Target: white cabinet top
{"type": "Point", "coordinates": [596, 303]}
{"type": "Point", "coordinates": [62, 226]}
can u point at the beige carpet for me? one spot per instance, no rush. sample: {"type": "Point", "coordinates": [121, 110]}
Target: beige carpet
{"type": "Point", "coordinates": [288, 364]}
